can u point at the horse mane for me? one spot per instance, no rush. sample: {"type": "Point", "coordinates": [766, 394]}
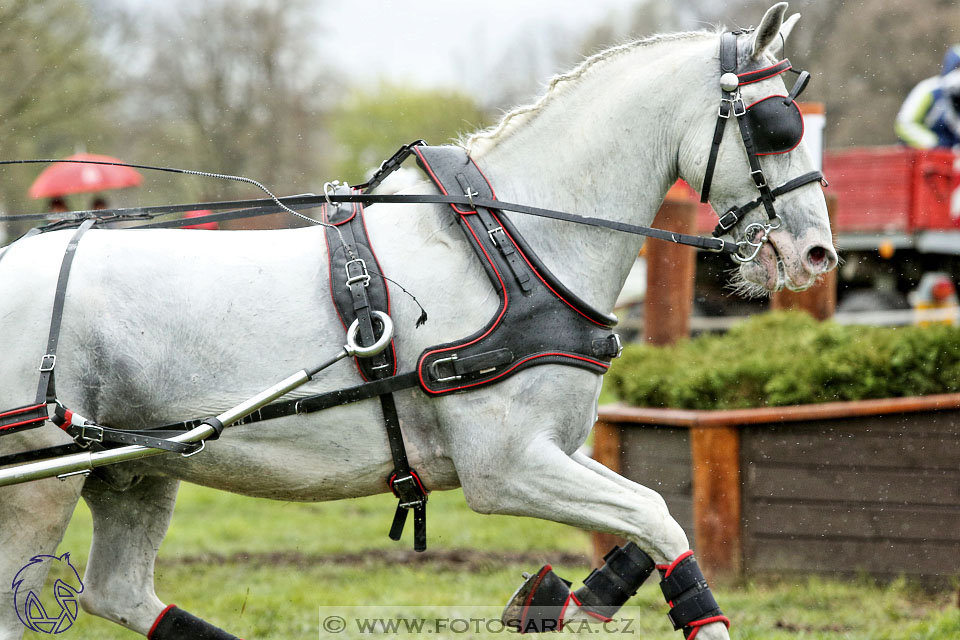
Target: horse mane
{"type": "Point", "coordinates": [514, 118]}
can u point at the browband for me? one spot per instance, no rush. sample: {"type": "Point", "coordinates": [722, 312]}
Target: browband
{"type": "Point", "coordinates": [749, 77]}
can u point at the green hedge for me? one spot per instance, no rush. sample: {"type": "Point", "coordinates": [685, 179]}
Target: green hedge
{"type": "Point", "coordinates": [788, 358]}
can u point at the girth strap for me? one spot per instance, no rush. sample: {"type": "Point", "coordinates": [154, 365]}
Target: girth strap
{"type": "Point", "coordinates": [35, 414]}
{"type": "Point", "coordinates": [46, 391]}
{"type": "Point", "coordinates": [357, 293]}
{"type": "Point", "coordinates": [356, 286]}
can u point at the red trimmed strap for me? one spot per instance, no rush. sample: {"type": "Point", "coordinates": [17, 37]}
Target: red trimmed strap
{"type": "Point", "coordinates": [695, 625]}
{"type": "Point", "coordinates": [13, 418]}
{"type": "Point", "coordinates": [668, 568]}
{"type": "Point", "coordinates": [749, 77]}
{"type": "Point", "coordinates": [153, 627]}
{"type": "Point", "coordinates": [586, 610]}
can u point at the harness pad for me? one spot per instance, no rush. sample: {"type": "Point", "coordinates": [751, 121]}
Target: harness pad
{"type": "Point", "coordinates": [539, 321]}
{"type": "Point", "coordinates": [352, 285]}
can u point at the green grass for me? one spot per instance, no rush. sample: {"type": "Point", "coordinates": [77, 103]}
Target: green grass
{"type": "Point", "coordinates": [263, 570]}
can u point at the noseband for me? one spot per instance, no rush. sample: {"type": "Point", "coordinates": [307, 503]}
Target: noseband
{"type": "Point", "coordinates": [769, 126]}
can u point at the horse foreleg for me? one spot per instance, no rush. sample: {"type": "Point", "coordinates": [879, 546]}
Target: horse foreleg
{"type": "Point", "coordinates": [128, 527]}
{"type": "Point", "coordinates": [33, 519]}
{"type": "Point", "coordinates": [545, 482]}
{"type": "Point", "coordinates": [709, 630]}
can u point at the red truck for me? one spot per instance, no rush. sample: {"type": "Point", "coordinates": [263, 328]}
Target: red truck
{"type": "Point", "coordinates": [897, 218]}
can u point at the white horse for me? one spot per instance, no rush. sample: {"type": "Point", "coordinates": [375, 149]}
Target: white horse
{"type": "Point", "coordinates": [162, 325]}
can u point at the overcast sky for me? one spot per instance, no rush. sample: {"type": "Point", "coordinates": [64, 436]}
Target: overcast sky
{"type": "Point", "coordinates": [440, 42]}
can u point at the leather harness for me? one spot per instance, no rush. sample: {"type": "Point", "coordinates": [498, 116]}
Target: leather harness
{"type": "Point", "coordinates": [538, 321]}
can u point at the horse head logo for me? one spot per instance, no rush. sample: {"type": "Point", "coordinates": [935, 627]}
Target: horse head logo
{"type": "Point", "coordinates": [66, 589]}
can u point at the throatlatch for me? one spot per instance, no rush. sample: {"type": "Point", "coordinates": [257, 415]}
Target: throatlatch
{"type": "Point", "coordinates": [542, 601]}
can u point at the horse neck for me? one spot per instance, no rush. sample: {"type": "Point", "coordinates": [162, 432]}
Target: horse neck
{"type": "Point", "coordinates": [604, 143]}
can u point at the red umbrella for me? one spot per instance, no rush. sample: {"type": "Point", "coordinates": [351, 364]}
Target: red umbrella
{"type": "Point", "coordinates": [210, 226]}
{"type": "Point", "coordinates": [62, 178]}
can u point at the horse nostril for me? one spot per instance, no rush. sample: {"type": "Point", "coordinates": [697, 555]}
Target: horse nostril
{"type": "Point", "coordinates": [820, 259]}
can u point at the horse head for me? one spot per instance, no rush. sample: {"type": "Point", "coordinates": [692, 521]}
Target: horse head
{"type": "Point", "coordinates": [749, 157]}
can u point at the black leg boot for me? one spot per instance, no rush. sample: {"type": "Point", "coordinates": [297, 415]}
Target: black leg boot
{"type": "Point", "coordinates": [174, 623]}
{"type": "Point", "coordinates": [543, 599]}
{"type": "Point", "coordinates": [692, 604]}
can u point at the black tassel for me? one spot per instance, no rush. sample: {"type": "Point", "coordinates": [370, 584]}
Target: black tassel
{"type": "Point", "coordinates": [422, 320]}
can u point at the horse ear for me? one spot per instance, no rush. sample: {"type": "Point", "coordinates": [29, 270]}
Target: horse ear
{"type": "Point", "coordinates": [769, 30]}
{"type": "Point", "coordinates": [777, 47]}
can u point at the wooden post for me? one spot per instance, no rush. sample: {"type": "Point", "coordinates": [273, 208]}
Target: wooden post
{"type": "Point", "coordinates": [606, 451]}
{"type": "Point", "coordinates": [715, 453]}
{"type": "Point", "coordinates": [820, 300]}
{"type": "Point", "coordinates": [671, 270]}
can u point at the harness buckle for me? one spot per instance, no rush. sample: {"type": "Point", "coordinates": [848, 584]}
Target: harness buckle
{"type": "Point", "coordinates": [743, 108]}
{"type": "Point", "coordinates": [363, 276]}
{"type": "Point", "coordinates": [97, 433]}
{"type": "Point", "coordinates": [435, 371]}
{"type": "Point", "coordinates": [731, 106]}
{"type": "Point", "coordinates": [48, 362]}
{"type": "Point", "coordinates": [719, 248]}
{"type": "Point", "coordinates": [758, 178]}
{"type": "Point", "coordinates": [492, 239]}
{"type": "Point", "coordinates": [406, 488]}
{"type": "Point", "coordinates": [730, 215]}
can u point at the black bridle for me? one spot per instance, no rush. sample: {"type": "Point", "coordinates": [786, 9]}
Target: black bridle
{"type": "Point", "coordinates": [769, 126]}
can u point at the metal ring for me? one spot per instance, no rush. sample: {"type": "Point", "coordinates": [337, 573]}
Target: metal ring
{"type": "Point", "coordinates": [756, 251]}
{"type": "Point", "coordinates": [190, 454]}
{"type": "Point", "coordinates": [331, 188]}
{"type": "Point", "coordinates": [353, 348]}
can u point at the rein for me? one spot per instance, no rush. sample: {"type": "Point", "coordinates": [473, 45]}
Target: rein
{"type": "Point", "coordinates": [265, 206]}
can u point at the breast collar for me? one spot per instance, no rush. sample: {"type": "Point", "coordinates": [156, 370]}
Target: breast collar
{"type": "Point", "coordinates": [539, 320]}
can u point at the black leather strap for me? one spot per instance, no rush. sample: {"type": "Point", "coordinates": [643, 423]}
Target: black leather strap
{"type": "Point", "coordinates": [310, 404]}
{"type": "Point", "coordinates": [536, 323]}
{"type": "Point", "coordinates": [261, 207]}
{"type": "Point", "coordinates": [46, 391]}
{"type": "Point", "coordinates": [86, 432]}
{"type": "Point", "coordinates": [356, 285]}
{"type": "Point", "coordinates": [358, 289]}
{"type": "Point", "coordinates": [728, 64]}
{"type": "Point", "coordinates": [729, 219]}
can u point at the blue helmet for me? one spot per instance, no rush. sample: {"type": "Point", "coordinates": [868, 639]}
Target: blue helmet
{"type": "Point", "coordinates": [951, 60]}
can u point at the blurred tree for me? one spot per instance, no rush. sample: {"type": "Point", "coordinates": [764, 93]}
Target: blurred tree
{"type": "Point", "coordinates": [56, 87]}
{"type": "Point", "coordinates": [228, 86]}
{"type": "Point", "coordinates": [369, 126]}
{"type": "Point", "coordinates": [864, 56]}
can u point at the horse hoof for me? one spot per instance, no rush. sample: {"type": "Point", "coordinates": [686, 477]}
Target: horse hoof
{"type": "Point", "coordinates": [538, 605]}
